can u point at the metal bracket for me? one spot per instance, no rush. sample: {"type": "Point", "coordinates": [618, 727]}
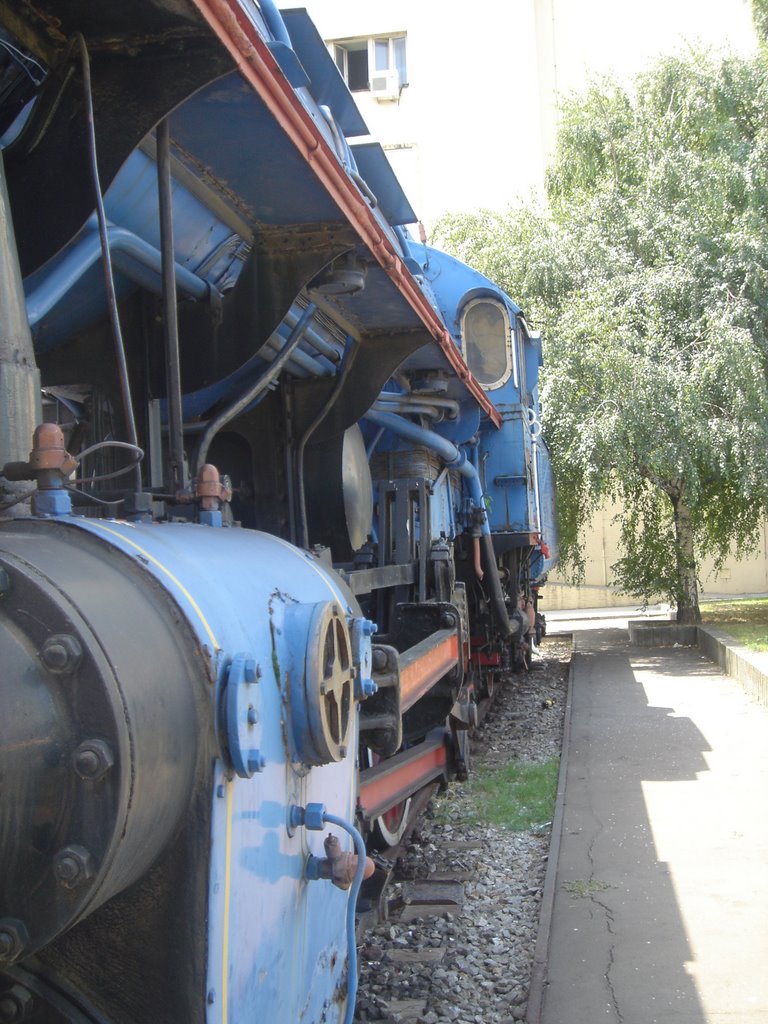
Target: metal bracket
{"type": "Point", "coordinates": [242, 713]}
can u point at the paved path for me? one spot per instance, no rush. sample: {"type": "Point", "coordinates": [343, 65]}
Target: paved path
{"type": "Point", "coordinates": [660, 912]}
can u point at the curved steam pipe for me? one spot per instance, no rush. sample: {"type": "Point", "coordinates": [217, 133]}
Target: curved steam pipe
{"type": "Point", "coordinates": [132, 256]}
{"type": "Point", "coordinates": [244, 400]}
{"type": "Point", "coordinates": [455, 458]}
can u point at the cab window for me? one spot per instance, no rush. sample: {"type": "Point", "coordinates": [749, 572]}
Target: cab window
{"type": "Point", "coordinates": [485, 341]}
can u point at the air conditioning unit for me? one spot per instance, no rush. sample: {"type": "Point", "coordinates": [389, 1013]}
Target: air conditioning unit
{"type": "Point", "coordinates": [385, 85]}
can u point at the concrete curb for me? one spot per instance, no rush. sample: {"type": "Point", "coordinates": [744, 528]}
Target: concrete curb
{"type": "Point", "coordinates": [748, 668]}
{"type": "Point", "coordinates": [540, 963]}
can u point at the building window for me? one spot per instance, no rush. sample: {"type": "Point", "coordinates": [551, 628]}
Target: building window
{"type": "Point", "coordinates": [486, 342]}
{"type": "Point", "coordinates": [366, 64]}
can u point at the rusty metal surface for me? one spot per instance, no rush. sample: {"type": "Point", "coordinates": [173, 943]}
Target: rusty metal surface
{"type": "Point", "coordinates": [425, 663]}
{"type": "Point", "coordinates": [391, 781]}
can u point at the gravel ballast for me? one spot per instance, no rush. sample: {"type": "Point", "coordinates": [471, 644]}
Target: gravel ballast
{"type": "Point", "coordinates": [469, 961]}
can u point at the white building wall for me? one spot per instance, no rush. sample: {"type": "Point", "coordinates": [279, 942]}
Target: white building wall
{"type": "Point", "coordinates": [466, 132]}
{"type": "Point", "coordinates": [477, 121]}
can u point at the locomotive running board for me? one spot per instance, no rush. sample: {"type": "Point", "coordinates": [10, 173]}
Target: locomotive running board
{"type": "Point", "coordinates": [395, 779]}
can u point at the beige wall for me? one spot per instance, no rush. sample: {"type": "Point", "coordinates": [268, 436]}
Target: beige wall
{"type": "Point", "coordinates": [746, 576]}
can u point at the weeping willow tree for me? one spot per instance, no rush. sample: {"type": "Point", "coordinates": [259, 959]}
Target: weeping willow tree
{"type": "Point", "coordinates": [646, 265]}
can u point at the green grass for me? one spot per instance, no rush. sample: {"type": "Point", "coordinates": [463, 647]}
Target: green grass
{"type": "Point", "coordinates": [746, 621]}
{"type": "Point", "coordinates": [520, 796]}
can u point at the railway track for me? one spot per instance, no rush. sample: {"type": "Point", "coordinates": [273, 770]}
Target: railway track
{"type": "Point", "coordinates": [462, 902]}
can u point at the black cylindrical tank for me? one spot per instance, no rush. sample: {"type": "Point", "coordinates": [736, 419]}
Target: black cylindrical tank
{"type": "Point", "coordinates": [105, 699]}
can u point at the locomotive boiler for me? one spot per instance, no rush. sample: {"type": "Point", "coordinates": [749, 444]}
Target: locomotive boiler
{"type": "Point", "coordinates": [274, 512]}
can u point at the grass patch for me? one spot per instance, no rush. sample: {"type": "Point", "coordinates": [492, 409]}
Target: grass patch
{"type": "Point", "coordinates": [746, 621]}
{"type": "Point", "coordinates": [583, 888]}
{"type": "Point", "coordinates": [519, 796]}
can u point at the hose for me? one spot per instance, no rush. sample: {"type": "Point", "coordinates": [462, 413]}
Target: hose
{"type": "Point", "coordinates": [357, 839]}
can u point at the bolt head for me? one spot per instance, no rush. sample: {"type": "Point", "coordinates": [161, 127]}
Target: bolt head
{"type": "Point", "coordinates": [93, 759]}
{"type": "Point", "coordinates": [369, 687]}
{"type": "Point", "coordinates": [15, 1005]}
{"type": "Point", "coordinates": [14, 939]}
{"type": "Point", "coordinates": [379, 659]}
{"type": "Point", "coordinates": [72, 866]}
{"type": "Point", "coordinates": [61, 653]}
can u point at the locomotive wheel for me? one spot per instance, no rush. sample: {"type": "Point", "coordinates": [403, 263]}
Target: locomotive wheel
{"type": "Point", "coordinates": [389, 829]}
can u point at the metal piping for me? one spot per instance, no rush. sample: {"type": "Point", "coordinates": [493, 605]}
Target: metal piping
{"type": "Point", "coordinates": [333, 350]}
{"type": "Point", "coordinates": [109, 278]}
{"type": "Point", "coordinates": [406, 402]}
{"type": "Point", "coordinates": [303, 359]}
{"type": "Point", "coordinates": [170, 316]}
{"type": "Point", "coordinates": [125, 248]}
{"type": "Point", "coordinates": [248, 396]}
{"type": "Point", "coordinates": [343, 372]}
{"type": "Point", "coordinates": [455, 458]}
{"type": "Point", "coordinates": [274, 20]}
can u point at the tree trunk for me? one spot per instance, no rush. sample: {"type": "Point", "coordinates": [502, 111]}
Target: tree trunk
{"type": "Point", "coordinates": [687, 582]}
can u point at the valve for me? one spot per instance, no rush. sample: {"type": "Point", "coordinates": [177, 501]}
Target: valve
{"type": "Point", "coordinates": [50, 465]}
{"type": "Point", "coordinates": [339, 866]}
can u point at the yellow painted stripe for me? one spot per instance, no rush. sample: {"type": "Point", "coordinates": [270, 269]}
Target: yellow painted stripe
{"type": "Point", "coordinates": [176, 582]}
{"type": "Point", "coordinates": [308, 560]}
{"type": "Point", "coordinates": [227, 890]}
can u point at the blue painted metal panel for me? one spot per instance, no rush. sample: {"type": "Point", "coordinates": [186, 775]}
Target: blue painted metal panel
{"type": "Point", "coordinates": [236, 144]}
{"type": "Point", "coordinates": [508, 477]}
{"type": "Point", "coordinates": [376, 170]}
{"type": "Point", "coordinates": [277, 943]}
{"type": "Point", "coordinates": [326, 84]}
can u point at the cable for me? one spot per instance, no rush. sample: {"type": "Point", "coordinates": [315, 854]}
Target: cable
{"type": "Point", "coordinates": [109, 279]}
{"type": "Point", "coordinates": [108, 444]}
{"type": "Point", "coordinates": [357, 839]}
{"type": "Point", "coordinates": [92, 499]}
{"type": "Point", "coordinates": [138, 452]}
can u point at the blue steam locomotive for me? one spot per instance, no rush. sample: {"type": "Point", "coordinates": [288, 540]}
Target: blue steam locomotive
{"type": "Point", "coordinates": [274, 510]}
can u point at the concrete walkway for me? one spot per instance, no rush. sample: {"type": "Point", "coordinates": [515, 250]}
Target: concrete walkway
{"type": "Point", "coordinates": [656, 904]}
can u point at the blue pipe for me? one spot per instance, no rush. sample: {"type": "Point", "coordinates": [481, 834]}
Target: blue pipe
{"type": "Point", "coordinates": [274, 20]}
{"type": "Point", "coordinates": [126, 248]}
{"type": "Point", "coordinates": [357, 839]}
{"type": "Point", "coordinates": [252, 393]}
{"type": "Point", "coordinates": [453, 457]}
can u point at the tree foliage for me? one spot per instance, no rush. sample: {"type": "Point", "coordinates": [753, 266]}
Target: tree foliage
{"type": "Point", "coordinates": [646, 265]}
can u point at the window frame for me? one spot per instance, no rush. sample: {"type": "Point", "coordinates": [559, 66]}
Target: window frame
{"type": "Point", "coordinates": [341, 47]}
{"type": "Point", "coordinates": [510, 336]}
